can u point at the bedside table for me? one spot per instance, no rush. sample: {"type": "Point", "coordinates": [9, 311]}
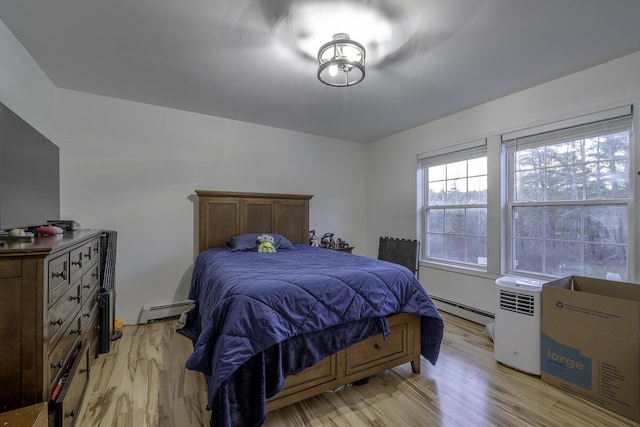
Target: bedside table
{"type": "Point", "coordinates": [347, 249]}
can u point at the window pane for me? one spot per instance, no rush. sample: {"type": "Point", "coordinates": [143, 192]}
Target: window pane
{"type": "Point", "coordinates": [455, 248]}
{"type": "Point", "coordinates": [530, 159]}
{"type": "Point", "coordinates": [454, 221]}
{"type": "Point", "coordinates": [435, 221]}
{"type": "Point", "coordinates": [566, 153]}
{"type": "Point", "coordinates": [438, 173]}
{"type": "Point", "coordinates": [605, 261]}
{"type": "Point", "coordinates": [477, 167]}
{"type": "Point", "coordinates": [607, 180]}
{"type": "Point", "coordinates": [527, 255]}
{"type": "Point", "coordinates": [457, 170]}
{"type": "Point", "coordinates": [477, 188]}
{"type": "Point", "coordinates": [528, 221]}
{"type": "Point", "coordinates": [606, 224]}
{"type": "Point", "coordinates": [457, 191]}
{"type": "Point", "coordinates": [606, 147]}
{"type": "Point", "coordinates": [435, 246]}
{"type": "Point", "coordinates": [530, 186]}
{"type": "Point", "coordinates": [562, 258]}
{"type": "Point", "coordinates": [477, 250]}
{"type": "Point", "coordinates": [437, 193]}
{"type": "Point", "coordinates": [565, 183]}
{"type": "Point", "coordinates": [477, 222]}
{"type": "Point", "coordinates": [563, 223]}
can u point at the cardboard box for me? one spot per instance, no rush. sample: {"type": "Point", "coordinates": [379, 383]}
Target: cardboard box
{"type": "Point", "coordinates": [590, 342]}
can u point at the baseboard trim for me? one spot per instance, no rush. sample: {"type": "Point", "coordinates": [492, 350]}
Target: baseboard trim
{"type": "Point", "coordinates": [472, 314]}
{"type": "Point", "coordinates": [157, 312]}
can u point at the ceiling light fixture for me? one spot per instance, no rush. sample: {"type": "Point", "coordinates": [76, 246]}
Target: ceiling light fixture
{"type": "Point", "coordinates": [341, 61]}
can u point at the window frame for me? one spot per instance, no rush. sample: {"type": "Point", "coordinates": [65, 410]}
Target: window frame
{"type": "Point", "coordinates": [564, 127]}
{"type": "Point", "coordinates": [459, 152]}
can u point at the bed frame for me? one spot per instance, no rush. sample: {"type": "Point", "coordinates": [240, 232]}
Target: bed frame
{"type": "Point", "coordinates": [225, 214]}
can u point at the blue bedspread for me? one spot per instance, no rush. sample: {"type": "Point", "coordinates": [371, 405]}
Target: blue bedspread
{"type": "Point", "coordinates": [248, 304]}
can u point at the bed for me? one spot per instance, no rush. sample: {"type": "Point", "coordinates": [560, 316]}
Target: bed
{"type": "Point", "coordinates": [273, 329]}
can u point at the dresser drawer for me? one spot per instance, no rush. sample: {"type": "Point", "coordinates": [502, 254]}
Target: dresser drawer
{"type": "Point", "coordinates": [91, 253]}
{"type": "Point", "coordinates": [58, 276]}
{"type": "Point", "coordinates": [90, 281]}
{"type": "Point", "coordinates": [67, 341]}
{"type": "Point", "coordinates": [83, 258]}
{"type": "Point", "coordinates": [67, 403]}
{"type": "Point", "coordinates": [87, 309]}
{"type": "Point", "coordinates": [92, 332]}
{"type": "Point", "coordinates": [63, 309]}
{"type": "Point", "coordinates": [88, 317]}
{"type": "Point", "coordinates": [376, 350]}
{"type": "Point", "coordinates": [76, 260]}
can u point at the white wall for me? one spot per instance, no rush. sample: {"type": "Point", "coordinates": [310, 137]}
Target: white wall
{"type": "Point", "coordinates": [133, 168]}
{"type": "Point", "coordinates": [391, 162]}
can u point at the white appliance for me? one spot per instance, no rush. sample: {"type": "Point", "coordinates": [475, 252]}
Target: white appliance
{"type": "Point", "coordinates": [518, 323]}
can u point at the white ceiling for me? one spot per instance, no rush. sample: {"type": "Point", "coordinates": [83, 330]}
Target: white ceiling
{"type": "Point", "coordinates": [229, 58]}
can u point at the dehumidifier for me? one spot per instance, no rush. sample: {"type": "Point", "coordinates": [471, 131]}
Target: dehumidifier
{"type": "Point", "coordinates": [518, 323]}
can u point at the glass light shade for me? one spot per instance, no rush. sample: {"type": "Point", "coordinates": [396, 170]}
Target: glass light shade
{"type": "Point", "coordinates": [341, 61]}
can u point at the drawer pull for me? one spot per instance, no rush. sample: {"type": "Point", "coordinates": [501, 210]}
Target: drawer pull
{"type": "Point", "coordinates": [62, 274]}
{"type": "Point", "coordinates": [74, 298]}
{"type": "Point", "coordinates": [57, 322]}
{"type": "Point", "coordinates": [78, 263]}
{"type": "Point", "coordinates": [76, 331]}
{"type": "Point", "coordinates": [88, 255]}
{"type": "Point", "coordinates": [86, 315]}
{"type": "Point", "coordinates": [58, 365]}
{"type": "Point", "coordinates": [86, 286]}
{"type": "Point", "coordinates": [377, 346]}
{"type": "Point", "coordinates": [72, 413]}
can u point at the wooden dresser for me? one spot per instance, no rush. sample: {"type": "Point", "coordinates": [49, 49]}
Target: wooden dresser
{"type": "Point", "coordinates": [49, 291]}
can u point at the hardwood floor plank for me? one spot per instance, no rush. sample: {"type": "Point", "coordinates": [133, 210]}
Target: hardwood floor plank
{"type": "Point", "coordinates": [142, 382]}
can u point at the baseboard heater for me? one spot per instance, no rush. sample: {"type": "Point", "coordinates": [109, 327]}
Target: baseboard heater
{"type": "Point", "coordinates": [473, 314]}
{"type": "Point", "coordinates": [157, 312]}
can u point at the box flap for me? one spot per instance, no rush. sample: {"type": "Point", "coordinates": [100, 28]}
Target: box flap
{"type": "Point", "coordinates": [609, 288]}
{"type": "Point", "coordinates": [578, 304]}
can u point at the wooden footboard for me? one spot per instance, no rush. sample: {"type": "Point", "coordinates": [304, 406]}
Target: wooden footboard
{"type": "Point", "coordinates": [359, 361]}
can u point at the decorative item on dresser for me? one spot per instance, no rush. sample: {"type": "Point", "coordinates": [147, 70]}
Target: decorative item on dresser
{"type": "Point", "coordinates": [49, 325]}
{"type": "Point", "coordinates": [346, 249]}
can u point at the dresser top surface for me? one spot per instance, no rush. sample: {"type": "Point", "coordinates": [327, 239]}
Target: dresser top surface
{"type": "Point", "coordinates": [46, 244]}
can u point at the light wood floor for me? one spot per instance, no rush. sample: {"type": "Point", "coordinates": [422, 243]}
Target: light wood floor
{"type": "Point", "coordinates": [142, 381]}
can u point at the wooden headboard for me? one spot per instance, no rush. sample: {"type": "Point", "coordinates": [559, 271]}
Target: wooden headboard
{"type": "Point", "coordinates": [225, 214]}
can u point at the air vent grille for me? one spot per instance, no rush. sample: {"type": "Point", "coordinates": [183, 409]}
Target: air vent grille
{"type": "Point", "coordinates": [517, 302]}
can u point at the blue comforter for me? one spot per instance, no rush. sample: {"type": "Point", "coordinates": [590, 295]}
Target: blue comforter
{"type": "Point", "coordinates": [249, 304]}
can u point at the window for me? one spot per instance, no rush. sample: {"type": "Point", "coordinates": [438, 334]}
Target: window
{"type": "Point", "coordinates": [454, 206]}
{"type": "Point", "coordinates": [570, 199]}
